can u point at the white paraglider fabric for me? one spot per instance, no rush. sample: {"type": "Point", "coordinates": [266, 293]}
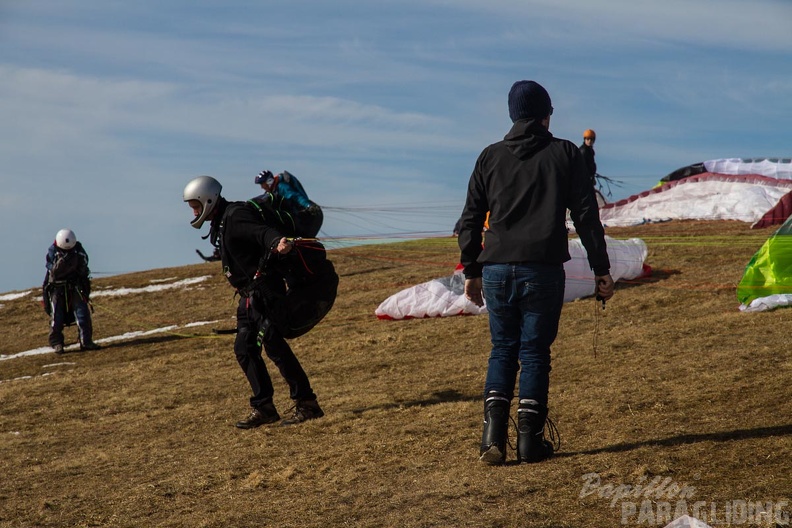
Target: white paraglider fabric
{"type": "Point", "coordinates": [770, 167]}
{"type": "Point", "coordinates": [707, 197]}
{"type": "Point", "coordinates": [445, 296]}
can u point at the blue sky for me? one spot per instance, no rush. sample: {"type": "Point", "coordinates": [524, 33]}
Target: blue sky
{"type": "Point", "coordinates": [108, 108]}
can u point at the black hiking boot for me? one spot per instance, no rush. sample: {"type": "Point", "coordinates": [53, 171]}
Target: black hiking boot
{"type": "Point", "coordinates": [58, 349]}
{"type": "Point", "coordinates": [531, 443]}
{"type": "Point", "coordinates": [496, 428]}
{"type": "Point", "coordinates": [90, 345]}
{"type": "Point", "coordinates": [304, 410]}
{"type": "Point", "coordinates": [265, 414]}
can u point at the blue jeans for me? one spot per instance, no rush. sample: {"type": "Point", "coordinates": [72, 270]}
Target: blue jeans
{"type": "Point", "coordinates": [524, 303]}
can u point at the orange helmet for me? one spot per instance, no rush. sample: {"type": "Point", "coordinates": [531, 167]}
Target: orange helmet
{"type": "Point", "coordinates": [589, 134]}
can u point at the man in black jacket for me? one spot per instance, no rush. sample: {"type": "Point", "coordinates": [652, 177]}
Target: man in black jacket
{"type": "Point", "coordinates": [260, 261]}
{"type": "Point", "coordinates": [587, 149]}
{"type": "Point", "coordinates": [526, 182]}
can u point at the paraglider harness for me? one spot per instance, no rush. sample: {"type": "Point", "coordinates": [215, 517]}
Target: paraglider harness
{"type": "Point", "coordinates": [304, 223]}
{"type": "Point", "coordinates": [63, 291]}
{"type": "Point", "coordinates": [311, 280]}
{"type": "Point", "coordinates": [282, 212]}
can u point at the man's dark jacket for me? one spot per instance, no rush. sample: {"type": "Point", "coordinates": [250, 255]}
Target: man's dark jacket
{"type": "Point", "coordinates": [244, 239]}
{"type": "Point", "coordinates": [591, 164]}
{"type": "Point", "coordinates": [527, 182]}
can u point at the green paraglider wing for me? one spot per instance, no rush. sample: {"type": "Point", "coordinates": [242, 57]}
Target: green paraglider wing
{"type": "Point", "coordinates": [770, 270]}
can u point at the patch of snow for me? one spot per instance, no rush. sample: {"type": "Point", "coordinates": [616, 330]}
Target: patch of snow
{"type": "Point", "coordinates": [13, 296]}
{"type": "Point", "coordinates": [27, 377]}
{"type": "Point", "coordinates": [198, 323]}
{"type": "Point", "coordinates": [148, 289]}
{"type": "Point", "coordinates": [111, 339]}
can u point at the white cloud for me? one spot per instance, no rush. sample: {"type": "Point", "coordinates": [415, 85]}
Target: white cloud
{"type": "Point", "coordinates": [761, 25]}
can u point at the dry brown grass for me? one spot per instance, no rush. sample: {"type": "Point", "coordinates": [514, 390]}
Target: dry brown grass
{"type": "Point", "coordinates": [683, 386]}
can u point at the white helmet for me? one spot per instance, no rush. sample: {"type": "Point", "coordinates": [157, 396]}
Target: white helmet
{"type": "Point", "coordinates": [65, 239]}
{"type": "Point", "coordinates": [206, 190]}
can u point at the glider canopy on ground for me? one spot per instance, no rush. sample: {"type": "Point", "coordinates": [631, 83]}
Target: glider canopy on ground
{"type": "Point", "coordinates": [767, 281]}
{"type": "Point", "coordinates": [780, 168]}
{"type": "Point", "coordinates": [445, 296]}
{"type": "Point", "coordinates": [754, 190]}
{"type": "Point", "coordinates": [753, 198]}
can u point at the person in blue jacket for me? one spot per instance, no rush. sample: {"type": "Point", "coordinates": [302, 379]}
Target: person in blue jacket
{"type": "Point", "coordinates": [286, 194]}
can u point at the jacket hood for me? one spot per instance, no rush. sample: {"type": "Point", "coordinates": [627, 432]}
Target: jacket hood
{"type": "Point", "coordinates": [527, 137]}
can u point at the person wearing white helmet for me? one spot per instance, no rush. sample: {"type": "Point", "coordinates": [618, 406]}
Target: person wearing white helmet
{"type": "Point", "coordinates": [259, 261]}
{"type": "Point", "coordinates": [67, 290]}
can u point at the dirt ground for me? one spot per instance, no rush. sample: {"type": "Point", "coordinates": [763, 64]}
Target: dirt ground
{"type": "Point", "coordinates": [670, 398]}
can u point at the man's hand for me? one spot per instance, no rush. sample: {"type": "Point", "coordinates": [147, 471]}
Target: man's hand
{"type": "Point", "coordinates": [604, 286]}
{"type": "Point", "coordinates": [284, 246]}
{"type": "Point", "coordinates": [473, 291]}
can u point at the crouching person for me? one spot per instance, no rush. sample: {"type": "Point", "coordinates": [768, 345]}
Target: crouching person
{"type": "Point", "coordinates": [67, 289]}
{"type": "Point", "coordinates": [286, 287]}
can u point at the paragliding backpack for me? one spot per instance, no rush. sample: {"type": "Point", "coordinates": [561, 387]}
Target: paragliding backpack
{"type": "Point", "coordinates": [288, 215]}
{"type": "Point", "coordinates": [68, 277]}
{"type": "Point", "coordinates": [312, 282]}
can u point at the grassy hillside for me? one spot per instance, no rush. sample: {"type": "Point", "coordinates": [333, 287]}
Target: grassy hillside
{"type": "Point", "coordinates": [670, 384]}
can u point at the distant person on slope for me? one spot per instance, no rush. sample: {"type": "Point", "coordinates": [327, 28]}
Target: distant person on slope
{"type": "Point", "coordinates": [286, 287]}
{"type": "Point", "coordinates": [67, 289]}
{"type": "Point", "coordinates": [587, 149]}
{"type": "Point", "coordinates": [526, 182]}
{"type": "Point", "coordinates": [285, 192]}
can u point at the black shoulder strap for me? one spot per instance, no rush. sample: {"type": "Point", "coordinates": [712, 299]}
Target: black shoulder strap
{"type": "Point", "coordinates": [218, 235]}
{"type": "Point", "coordinates": [273, 214]}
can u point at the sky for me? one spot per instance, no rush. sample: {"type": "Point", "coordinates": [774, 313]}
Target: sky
{"type": "Point", "coordinates": [109, 107]}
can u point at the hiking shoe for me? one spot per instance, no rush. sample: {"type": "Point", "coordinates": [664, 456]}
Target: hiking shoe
{"type": "Point", "coordinates": [90, 345]}
{"type": "Point", "coordinates": [58, 349]}
{"type": "Point", "coordinates": [303, 411]}
{"type": "Point", "coordinates": [266, 414]}
{"type": "Point", "coordinates": [532, 446]}
{"type": "Point", "coordinates": [493, 455]}
{"type": "Point", "coordinates": [495, 435]}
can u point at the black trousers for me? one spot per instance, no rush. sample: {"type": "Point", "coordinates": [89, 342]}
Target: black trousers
{"type": "Point", "coordinates": [68, 307]}
{"type": "Point", "coordinates": [248, 354]}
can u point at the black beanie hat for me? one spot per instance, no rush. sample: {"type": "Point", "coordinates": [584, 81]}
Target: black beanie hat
{"type": "Point", "coordinates": [528, 99]}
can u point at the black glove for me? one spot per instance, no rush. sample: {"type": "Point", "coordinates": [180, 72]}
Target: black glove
{"type": "Point", "coordinates": [84, 287]}
{"type": "Point", "coordinates": [45, 299]}
{"type": "Point", "coordinates": [313, 210]}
